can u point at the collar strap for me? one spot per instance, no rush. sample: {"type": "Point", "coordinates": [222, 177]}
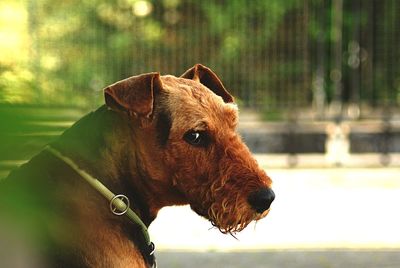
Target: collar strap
{"type": "Point", "coordinates": [119, 204]}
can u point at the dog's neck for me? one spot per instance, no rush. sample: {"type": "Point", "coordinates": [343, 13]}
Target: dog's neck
{"type": "Point", "coordinates": [101, 143]}
{"type": "Point", "coordinates": [110, 146]}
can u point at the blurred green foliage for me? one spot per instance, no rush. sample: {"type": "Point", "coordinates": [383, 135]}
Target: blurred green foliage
{"type": "Point", "coordinates": [265, 51]}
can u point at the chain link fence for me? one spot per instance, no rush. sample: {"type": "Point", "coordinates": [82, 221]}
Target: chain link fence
{"type": "Point", "coordinates": [327, 56]}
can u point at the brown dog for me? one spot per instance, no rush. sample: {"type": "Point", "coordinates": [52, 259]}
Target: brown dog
{"type": "Point", "coordinates": [159, 141]}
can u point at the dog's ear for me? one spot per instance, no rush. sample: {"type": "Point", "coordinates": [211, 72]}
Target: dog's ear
{"type": "Point", "coordinates": [208, 78]}
{"type": "Point", "coordinates": [134, 95]}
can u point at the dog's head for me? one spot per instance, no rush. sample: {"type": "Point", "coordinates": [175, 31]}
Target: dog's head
{"type": "Point", "coordinates": [190, 148]}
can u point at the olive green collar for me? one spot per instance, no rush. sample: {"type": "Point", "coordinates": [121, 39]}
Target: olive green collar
{"type": "Point", "coordinates": [119, 204]}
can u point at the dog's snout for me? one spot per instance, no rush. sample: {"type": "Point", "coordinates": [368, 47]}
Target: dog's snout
{"type": "Point", "coordinates": [261, 200]}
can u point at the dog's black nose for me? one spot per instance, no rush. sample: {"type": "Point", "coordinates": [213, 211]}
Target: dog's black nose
{"type": "Point", "coordinates": [261, 200]}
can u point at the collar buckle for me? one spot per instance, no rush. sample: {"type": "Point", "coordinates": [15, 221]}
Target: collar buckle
{"type": "Point", "coordinates": [119, 204]}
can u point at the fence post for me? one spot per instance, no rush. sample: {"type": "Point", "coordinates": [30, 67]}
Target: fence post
{"type": "Point", "coordinates": [336, 70]}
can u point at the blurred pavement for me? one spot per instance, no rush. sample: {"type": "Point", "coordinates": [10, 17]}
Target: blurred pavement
{"type": "Point", "coordinates": [320, 213]}
{"type": "Point", "coordinates": [281, 259]}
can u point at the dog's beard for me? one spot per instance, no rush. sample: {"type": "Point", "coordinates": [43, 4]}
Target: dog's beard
{"type": "Point", "coordinates": [225, 206]}
{"type": "Point", "coordinates": [231, 216]}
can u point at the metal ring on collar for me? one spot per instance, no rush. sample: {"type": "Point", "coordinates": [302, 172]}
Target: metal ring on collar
{"type": "Point", "coordinates": [152, 248]}
{"type": "Point", "coordinates": [119, 204]}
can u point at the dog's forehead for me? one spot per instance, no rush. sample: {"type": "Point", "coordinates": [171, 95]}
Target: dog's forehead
{"type": "Point", "coordinates": [184, 86]}
{"type": "Point", "coordinates": [193, 103]}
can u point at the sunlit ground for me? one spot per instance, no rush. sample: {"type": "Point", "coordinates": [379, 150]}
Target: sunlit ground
{"type": "Point", "coordinates": [314, 209]}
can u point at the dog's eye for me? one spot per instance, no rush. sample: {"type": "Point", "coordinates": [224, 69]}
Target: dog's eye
{"type": "Point", "coordinates": [196, 138]}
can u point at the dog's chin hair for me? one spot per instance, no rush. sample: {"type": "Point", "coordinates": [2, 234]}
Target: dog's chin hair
{"type": "Point", "coordinates": [221, 216]}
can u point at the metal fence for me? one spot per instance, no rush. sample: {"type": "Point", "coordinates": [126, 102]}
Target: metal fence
{"type": "Point", "coordinates": [328, 56]}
